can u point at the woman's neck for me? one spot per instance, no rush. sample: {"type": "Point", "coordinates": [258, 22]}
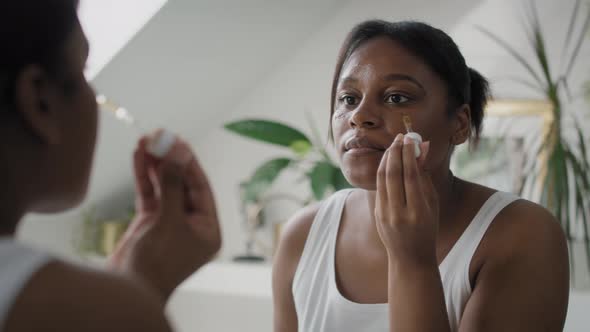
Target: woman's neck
{"type": "Point", "coordinates": [11, 211]}
{"type": "Point", "coordinates": [8, 220]}
{"type": "Point", "coordinates": [448, 189]}
{"type": "Point", "coordinates": [19, 178]}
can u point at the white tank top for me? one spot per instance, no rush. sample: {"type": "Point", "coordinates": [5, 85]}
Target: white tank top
{"type": "Point", "coordinates": [18, 264]}
{"type": "Point", "coordinates": [321, 307]}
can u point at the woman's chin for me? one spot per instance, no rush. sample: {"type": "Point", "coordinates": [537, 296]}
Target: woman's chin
{"type": "Point", "coordinates": [366, 185]}
{"type": "Point", "coordinates": [361, 175]}
{"type": "Point", "coordinates": [362, 180]}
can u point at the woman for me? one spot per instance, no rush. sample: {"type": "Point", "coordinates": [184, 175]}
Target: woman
{"type": "Point", "coordinates": [414, 248]}
{"type": "Point", "coordinates": [48, 124]}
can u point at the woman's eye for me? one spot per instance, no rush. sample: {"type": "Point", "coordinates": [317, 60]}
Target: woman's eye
{"type": "Point", "coordinates": [349, 100]}
{"type": "Point", "coordinates": [396, 98]}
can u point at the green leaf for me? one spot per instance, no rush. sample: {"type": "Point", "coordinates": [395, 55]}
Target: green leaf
{"type": "Point", "coordinates": [570, 29]}
{"type": "Point", "coordinates": [338, 180]}
{"type": "Point", "coordinates": [267, 131]}
{"type": "Point", "coordinates": [321, 178]}
{"type": "Point", "coordinates": [316, 136]}
{"type": "Point", "coordinates": [582, 147]}
{"type": "Point", "coordinates": [270, 169]}
{"type": "Point", "coordinates": [582, 209]}
{"type": "Point", "coordinates": [558, 188]}
{"type": "Point", "coordinates": [538, 44]}
{"type": "Point", "coordinates": [541, 52]}
{"type": "Point", "coordinates": [301, 148]}
{"type": "Point", "coordinates": [566, 87]}
{"type": "Point", "coordinates": [532, 173]}
{"type": "Point", "coordinates": [263, 178]}
{"type": "Point", "coordinates": [579, 43]}
{"type": "Point", "coordinates": [565, 198]}
{"type": "Point", "coordinates": [528, 84]}
{"type": "Point", "coordinates": [578, 168]}
{"type": "Point", "coordinates": [513, 52]}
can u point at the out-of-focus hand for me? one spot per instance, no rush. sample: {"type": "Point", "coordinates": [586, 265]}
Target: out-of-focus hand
{"type": "Point", "coordinates": [176, 229]}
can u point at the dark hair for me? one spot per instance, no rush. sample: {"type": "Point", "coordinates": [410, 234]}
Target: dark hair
{"type": "Point", "coordinates": [464, 85]}
{"type": "Point", "coordinates": [33, 32]}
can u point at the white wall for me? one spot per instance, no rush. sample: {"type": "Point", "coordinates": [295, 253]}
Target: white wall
{"type": "Point", "coordinates": [125, 19]}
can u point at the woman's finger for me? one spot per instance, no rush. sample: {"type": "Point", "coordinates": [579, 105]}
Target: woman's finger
{"type": "Point", "coordinates": [382, 184]}
{"type": "Point", "coordinates": [411, 176]}
{"type": "Point", "coordinates": [424, 148]}
{"type": "Point", "coordinates": [201, 196]}
{"type": "Point", "coordinates": [394, 175]}
{"type": "Point", "coordinates": [142, 163]}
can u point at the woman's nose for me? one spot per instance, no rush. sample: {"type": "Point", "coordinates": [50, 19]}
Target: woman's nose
{"type": "Point", "coordinates": [365, 117]}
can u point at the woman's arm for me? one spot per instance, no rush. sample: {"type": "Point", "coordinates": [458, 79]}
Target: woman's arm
{"type": "Point", "coordinates": [176, 217]}
{"type": "Point", "coordinates": [406, 213]}
{"type": "Point", "coordinates": [416, 298]}
{"type": "Point", "coordinates": [286, 260]}
{"type": "Point", "coordinates": [523, 284]}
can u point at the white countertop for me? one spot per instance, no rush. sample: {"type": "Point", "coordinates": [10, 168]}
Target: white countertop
{"type": "Point", "coordinates": [236, 279]}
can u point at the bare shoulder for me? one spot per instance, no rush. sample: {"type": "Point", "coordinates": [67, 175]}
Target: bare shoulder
{"type": "Point", "coordinates": [526, 242]}
{"type": "Point", "coordinates": [295, 232]}
{"type": "Point", "coordinates": [521, 278]}
{"type": "Point", "coordinates": [521, 229]}
{"type": "Point", "coordinates": [526, 228]}
{"type": "Point", "coordinates": [66, 297]}
{"type": "Point", "coordinates": [287, 257]}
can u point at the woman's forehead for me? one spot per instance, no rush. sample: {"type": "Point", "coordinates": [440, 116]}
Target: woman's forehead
{"type": "Point", "coordinates": [380, 58]}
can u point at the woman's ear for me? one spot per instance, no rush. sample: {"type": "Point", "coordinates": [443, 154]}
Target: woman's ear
{"type": "Point", "coordinates": [35, 103]}
{"type": "Point", "coordinates": [462, 130]}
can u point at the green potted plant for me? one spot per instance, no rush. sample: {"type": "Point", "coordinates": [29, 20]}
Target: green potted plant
{"type": "Point", "coordinates": [565, 177]}
{"type": "Point", "coordinates": [307, 157]}
{"type": "Point", "coordinates": [97, 237]}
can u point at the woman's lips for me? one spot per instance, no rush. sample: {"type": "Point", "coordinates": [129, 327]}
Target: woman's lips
{"type": "Point", "coordinates": [359, 145]}
{"type": "Point", "coordinates": [364, 151]}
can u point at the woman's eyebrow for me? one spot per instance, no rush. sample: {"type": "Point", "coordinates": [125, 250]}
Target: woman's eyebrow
{"type": "Point", "coordinates": [388, 77]}
{"type": "Point", "coordinates": [403, 77]}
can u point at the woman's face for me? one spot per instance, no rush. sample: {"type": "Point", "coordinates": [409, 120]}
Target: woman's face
{"type": "Point", "coordinates": [379, 83]}
{"type": "Point", "coordinates": [76, 113]}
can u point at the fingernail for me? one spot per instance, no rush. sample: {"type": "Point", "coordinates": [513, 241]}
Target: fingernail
{"type": "Point", "coordinates": [408, 140]}
{"type": "Point", "coordinates": [160, 143]}
{"type": "Point", "coordinates": [398, 139]}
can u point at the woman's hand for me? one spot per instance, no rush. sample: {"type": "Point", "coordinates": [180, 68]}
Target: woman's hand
{"type": "Point", "coordinates": [176, 230]}
{"type": "Point", "coordinates": [406, 207]}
